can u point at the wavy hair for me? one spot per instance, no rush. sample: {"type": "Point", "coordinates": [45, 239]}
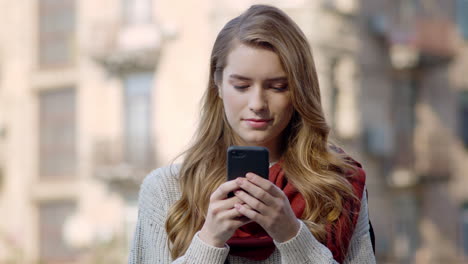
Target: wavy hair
{"type": "Point", "coordinates": [309, 161]}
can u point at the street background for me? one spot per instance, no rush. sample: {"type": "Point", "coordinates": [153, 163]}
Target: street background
{"type": "Point", "coordinates": [96, 94]}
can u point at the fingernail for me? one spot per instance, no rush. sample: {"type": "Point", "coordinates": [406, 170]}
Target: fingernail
{"type": "Point", "coordinates": [239, 180]}
{"type": "Point", "coordinates": [249, 175]}
{"type": "Point", "coordinates": [237, 192]}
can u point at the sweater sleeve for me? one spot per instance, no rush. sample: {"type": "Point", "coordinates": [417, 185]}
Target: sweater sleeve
{"type": "Point", "coordinates": [150, 239]}
{"type": "Point", "coordinates": [305, 248]}
{"type": "Point", "coordinates": [200, 252]}
{"type": "Point", "coordinates": [360, 249]}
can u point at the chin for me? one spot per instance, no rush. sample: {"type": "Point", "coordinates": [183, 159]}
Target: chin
{"type": "Point", "coordinates": [255, 140]}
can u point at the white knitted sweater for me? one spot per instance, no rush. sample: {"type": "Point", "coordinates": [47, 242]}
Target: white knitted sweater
{"type": "Point", "coordinates": [160, 190]}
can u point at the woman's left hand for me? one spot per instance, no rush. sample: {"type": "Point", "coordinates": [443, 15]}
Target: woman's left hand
{"type": "Point", "coordinates": [268, 206]}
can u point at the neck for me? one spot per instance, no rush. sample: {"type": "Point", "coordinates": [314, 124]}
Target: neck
{"type": "Point", "coordinates": [275, 148]}
{"type": "Point", "coordinates": [275, 151]}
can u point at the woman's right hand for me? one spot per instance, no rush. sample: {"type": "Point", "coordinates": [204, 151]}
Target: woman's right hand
{"type": "Point", "coordinates": [222, 218]}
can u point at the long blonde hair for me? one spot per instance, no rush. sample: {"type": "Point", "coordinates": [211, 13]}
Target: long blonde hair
{"type": "Point", "coordinates": [309, 163]}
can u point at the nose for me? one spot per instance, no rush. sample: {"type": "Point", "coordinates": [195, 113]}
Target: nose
{"type": "Point", "coordinates": [257, 99]}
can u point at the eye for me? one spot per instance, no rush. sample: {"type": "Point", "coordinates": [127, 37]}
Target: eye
{"type": "Point", "coordinates": [240, 87]}
{"type": "Point", "coordinates": [279, 87]}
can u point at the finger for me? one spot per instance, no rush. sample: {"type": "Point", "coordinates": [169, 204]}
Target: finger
{"type": "Point", "coordinates": [249, 213]}
{"type": "Point", "coordinates": [232, 219]}
{"type": "Point", "coordinates": [235, 216]}
{"type": "Point", "coordinates": [265, 184]}
{"type": "Point", "coordinates": [238, 222]}
{"type": "Point", "coordinates": [246, 205]}
{"type": "Point", "coordinates": [222, 191]}
{"type": "Point", "coordinates": [242, 218]}
{"type": "Point", "coordinates": [232, 213]}
{"type": "Point", "coordinates": [226, 204]}
{"type": "Point", "coordinates": [256, 191]}
{"type": "Point", "coordinates": [251, 202]}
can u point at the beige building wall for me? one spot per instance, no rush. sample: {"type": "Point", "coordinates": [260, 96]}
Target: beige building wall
{"type": "Point", "coordinates": [179, 80]}
{"type": "Point", "coordinates": [358, 83]}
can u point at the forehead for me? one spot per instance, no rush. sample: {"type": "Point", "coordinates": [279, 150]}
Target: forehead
{"type": "Point", "coordinates": [253, 62]}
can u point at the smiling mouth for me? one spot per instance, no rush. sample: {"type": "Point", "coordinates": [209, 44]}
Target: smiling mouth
{"type": "Point", "coordinates": [258, 120]}
{"type": "Point", "coordinates": [258, 123]}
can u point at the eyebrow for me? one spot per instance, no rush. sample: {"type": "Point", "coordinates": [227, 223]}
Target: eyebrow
{"type": "Point", "coordinates": [243, 78]}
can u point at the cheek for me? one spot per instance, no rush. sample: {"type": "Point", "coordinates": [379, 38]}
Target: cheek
{"type": "Point", "coordinates": [232, 103]}
{"type": "Point", "coordinates": [288, 113]}
{"type": "Point", "coordinates": [286, 108]}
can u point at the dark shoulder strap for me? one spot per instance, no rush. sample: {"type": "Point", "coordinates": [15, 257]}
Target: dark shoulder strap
{"type": "Point", "coordinates": [372, 236]}
{"type": "Point", "coordinates": [371, 229]}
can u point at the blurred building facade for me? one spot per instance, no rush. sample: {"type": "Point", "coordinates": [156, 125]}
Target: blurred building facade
{"type": "Point", "coordinates": [413, 64]}
{"type": "Point", "coordinates": [84, 119]}
{"type": "Point", "coordinates": [94, 94]}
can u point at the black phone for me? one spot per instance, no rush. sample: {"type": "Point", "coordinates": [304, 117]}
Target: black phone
{"type": "Point", "coordinates": [243, 159]}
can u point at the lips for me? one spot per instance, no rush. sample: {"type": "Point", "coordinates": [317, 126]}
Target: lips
{"type": "Point", "coordinates": [258, 120]}
{"type": "Point", "coordinates": [258, 123]}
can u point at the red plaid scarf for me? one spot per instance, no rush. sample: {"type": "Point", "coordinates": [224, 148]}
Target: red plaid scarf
{"type": "Point", "coordinates": [252, 241]}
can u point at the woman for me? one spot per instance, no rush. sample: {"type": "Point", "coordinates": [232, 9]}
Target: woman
{"type": "Point", "coordinates": [262, 91]}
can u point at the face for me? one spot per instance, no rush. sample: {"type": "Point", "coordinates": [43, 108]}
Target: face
{"type": "Point", "coordinates": [256, 96]}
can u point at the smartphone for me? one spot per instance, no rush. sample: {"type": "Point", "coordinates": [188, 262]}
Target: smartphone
{"type": "Point", "coordinates": [241, 160]}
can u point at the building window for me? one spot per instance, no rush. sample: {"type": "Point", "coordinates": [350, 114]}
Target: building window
{"type": "Point", "coordinates": [344, 101]}
{"type": "Point", "coordinates": [57, 134]}
{"type": "Point", "coordinates": [137, 107]}
{"type": "Point", "coordinates": [136, 11]}
{"type": "Point", "coordinates": [406, 234]}
{"type": "Point", "coordinates": [463, 117]}
{"type": "Point", "coordinates": [52, 218]}
{"type": "Point", "coordinates": [57, 23]}
{"type": "Point", "coordinates": [462, 17]}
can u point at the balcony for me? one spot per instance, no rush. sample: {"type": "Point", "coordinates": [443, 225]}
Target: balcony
{"type": "Point", "coordinates": [435, 37]}
{"type": "Point", "coordinates": [124, 48]}
{"type": "Point", "coordinates": [118, 168]}
{"type": "Point", "coordinates": [419, 41]}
